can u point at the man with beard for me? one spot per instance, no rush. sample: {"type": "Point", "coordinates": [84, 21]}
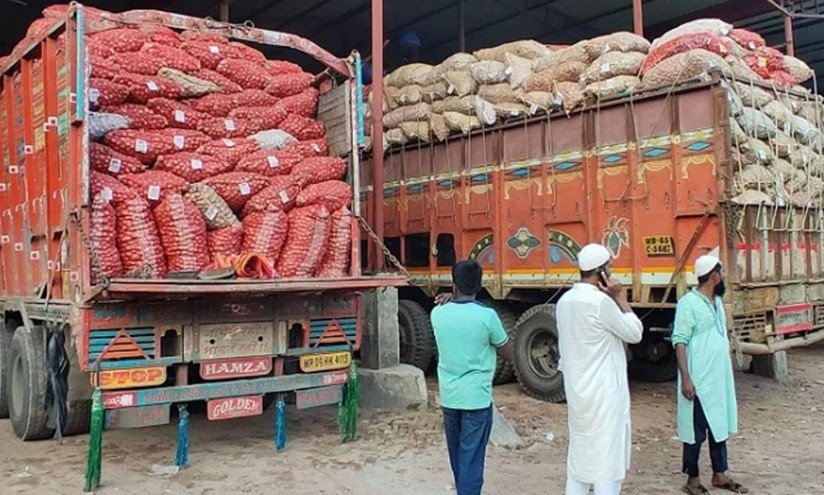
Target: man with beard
{"type": "Point", "coordinates": [706, 401]}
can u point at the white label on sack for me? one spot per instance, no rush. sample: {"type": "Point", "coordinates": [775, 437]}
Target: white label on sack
{"type": "Point", "coordinates": [533, 109]}
{"type": "Point", "coordinates": [787, 128]}
{"type": "Point", "coordinates": [214, 49]}
{"type": "Point", "coordinates": [114, 165]}
{"type": "Point", "coordinates": [450, 89]}
{"type": "Point", "coordinates": [154, 193]}
{"type": "Point", "coordinates": [2, 187]}
{"type": "Point", "coordinates": [106, 194]}
{"type": "Point", "coordinates": [604, 68]}
{"type": "Point", "coordinates": [508, 70]}
{"type": "Point", "coordinates": [5, 239]}
{"type": "Point", "coordinates": [141, 146]}
{"type": "Point", "coordinates": [245, 189]}
{"type": "Point", "coordinates": [230, 124]}
{"type": "Point", "coordinates": [180, 116]}
{"type": "Point", "coordinates": [761, 155]}
{"type": "Point", "coordinates": [14, 169]}
{"type": "Point", "coordinates": [180, 142]}
{"type": "Point", "coordinates": [229, 143]}
{"type": "Point", "coordinates": [211, 212]}
{"type": "Point", "coordinates": [94, 95]}
{"type": "Point", "coordinates": [197, 164]}
{"type": "Point", "coordinates": [284, 197]}
{"type": "Point", "coordinates": [273, 161]}
{"type": "Point", "coordinates": [316, 147]}
{"type": "Point", "coordinates": [152, 86]}
{"type": "Point", "coordinates": [513, 113]}
{"type": "Point", "coordinates": [751, 45]}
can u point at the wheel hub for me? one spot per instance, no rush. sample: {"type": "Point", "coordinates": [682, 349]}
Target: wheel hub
{"type": "Point", "coordinates": [543, 354]}
{"type": "Point", "coordinates": [17, 378]}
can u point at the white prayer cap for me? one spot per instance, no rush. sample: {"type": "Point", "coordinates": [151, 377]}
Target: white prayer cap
{"type": "Point", "coordinates": [705, 264]}
{"type": "Point", "coordinates": [593, 256]}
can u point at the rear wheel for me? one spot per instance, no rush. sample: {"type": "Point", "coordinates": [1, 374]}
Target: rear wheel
{"type": "Point", "coordinates": [536, 354]}
{"type": "Point", "coordinates": [504, 369]}
{"type": "Point", "coordinates": [79, 417]}
{"type": "Point", "coordinates": [29, 384]}
{"type": "Point", "coordinates": [6, 334]}
{"type": "Point", "coordinates": [417, 341]}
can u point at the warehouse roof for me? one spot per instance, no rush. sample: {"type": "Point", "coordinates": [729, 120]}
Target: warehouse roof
{"type": "Point", "coordinates": [342, 25]}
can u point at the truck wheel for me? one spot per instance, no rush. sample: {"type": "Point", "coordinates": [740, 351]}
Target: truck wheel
{"type": "Point", "coordinates": [79, 417]}
{"type": "Point", "coordinates": [417, 341]}
{"type": "Point", "coordinates": [661, 371]}
{"type": "Point", "coordinates": [29, 383]}
{"type": "Point", "coordinates": [536, 354]}
{"type": "Point", "coordinates": [504, 369]}
{"type": "Point", "coordinates": [6, 334]}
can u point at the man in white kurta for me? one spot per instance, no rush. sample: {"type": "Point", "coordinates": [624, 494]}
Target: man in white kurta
{"type": "Point", "coordinates": [594, 321]}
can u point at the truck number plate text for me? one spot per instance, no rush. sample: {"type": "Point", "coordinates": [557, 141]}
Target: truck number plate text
{"type": "Point", "coordinates": [235, 368]}
{"type": "Point", "coordinates": [325, 362]}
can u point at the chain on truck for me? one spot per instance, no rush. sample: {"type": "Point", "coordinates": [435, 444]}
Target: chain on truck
{"type": "Point", "coordinates": [146, 343]}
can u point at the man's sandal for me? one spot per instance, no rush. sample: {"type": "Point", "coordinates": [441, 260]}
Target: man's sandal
{"type": "Point", "coordinates": [695, 490]}
{"type": "Point", "coordinates": [732, 486]}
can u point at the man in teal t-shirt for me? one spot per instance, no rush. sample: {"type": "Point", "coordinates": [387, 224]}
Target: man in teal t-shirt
{"type": "Point", "coordinates": [469, 336]}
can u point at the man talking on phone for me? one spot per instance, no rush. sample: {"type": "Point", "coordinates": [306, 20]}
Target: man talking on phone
{"type": "Point", "coordinates": [594, 321]}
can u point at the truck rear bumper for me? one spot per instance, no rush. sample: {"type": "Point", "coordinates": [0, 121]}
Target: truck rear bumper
{"type": "Point", "coordinates": [204, 391]}
{"type": "Point", "coordinates": [756, 349]}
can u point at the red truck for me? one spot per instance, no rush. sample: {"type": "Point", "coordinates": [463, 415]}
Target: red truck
{"type": "Point", "coordinates": [148, 343]}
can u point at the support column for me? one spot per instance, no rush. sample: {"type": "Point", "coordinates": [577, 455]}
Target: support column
{"type": "Point", "coordinates": [788, 35]}
{"type": "Point", "coordinates": [381, 338]}
{"type": "Point", "coordinates": [638, 17]}
{"type": "Point", "coordinates": [461, 27]}
{"type": "Point", "coordinates": [224, 10]}
{"type": "Point", "coordinates": [377, 132]}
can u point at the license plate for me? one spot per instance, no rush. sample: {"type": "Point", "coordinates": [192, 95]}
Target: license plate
{"type": "Point", "coordinates": [316, 397]}
{"type": "Point", "coordinates": [325, 362]}
{"type": "Point", "coordinates": [226, 340]}
{"type": "Point", "coordinates": [234, 407]}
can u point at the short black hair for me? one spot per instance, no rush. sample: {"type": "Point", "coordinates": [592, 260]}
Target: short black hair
{"type": "Point", "coordinates": [704, 278]}
{"type": "Point", "coordinates": [467, 276]}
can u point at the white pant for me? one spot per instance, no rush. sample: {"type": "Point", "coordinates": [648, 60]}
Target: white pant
{"type": "Point", "coordinates": [577, 488]}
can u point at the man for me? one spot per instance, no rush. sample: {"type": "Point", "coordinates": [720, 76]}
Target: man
{"type": "Point", "coordinates": [594, 321]}
{"type": "Point", "coordinates": [706, 402]}
{"type": "Point", "coordinates": [468, 335]}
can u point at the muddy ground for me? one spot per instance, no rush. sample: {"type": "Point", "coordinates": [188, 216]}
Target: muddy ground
{"type": "Point", "coordinates": [779, 451]}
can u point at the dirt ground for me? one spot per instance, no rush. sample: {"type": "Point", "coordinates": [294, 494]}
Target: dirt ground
{"type": "Point", "coordinates": [779, 451]}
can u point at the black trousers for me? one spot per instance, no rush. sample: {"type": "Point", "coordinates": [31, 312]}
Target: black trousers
{"type": "Point", "coordinates": [692, 452]}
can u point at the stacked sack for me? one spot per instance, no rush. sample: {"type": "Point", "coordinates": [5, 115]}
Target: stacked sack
{"type": "Point", "coordinates": [203, 150]}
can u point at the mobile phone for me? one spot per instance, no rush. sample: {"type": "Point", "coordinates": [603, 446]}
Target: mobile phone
{"type": "Point", "coordinates": [604, 277]}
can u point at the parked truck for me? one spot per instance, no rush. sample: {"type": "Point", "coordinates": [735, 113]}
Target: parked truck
{"type": "Point", "coordinates": [650, 177]}
{"type": "Point", "coordinates": [147, 343]}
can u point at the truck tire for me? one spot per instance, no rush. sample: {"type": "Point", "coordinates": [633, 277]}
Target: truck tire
{"type": "Point", "coordinates": [417, 341]}
{"type": "Point", "coordinates": [536, 354]}
{"type": "Point", "coordinates": [29, 384]}
{"type": "Point", "coordinates": [79, 418]}
{"type": "Point", "coordinates": [504, 369]}
{"type": "Point", "coordinates": [6, 334]}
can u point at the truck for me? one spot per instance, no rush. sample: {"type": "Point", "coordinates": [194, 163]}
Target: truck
{"type": "Point", "coordinates": [649, 176]}
{"type": "Point", "coordinates": [148, 343]}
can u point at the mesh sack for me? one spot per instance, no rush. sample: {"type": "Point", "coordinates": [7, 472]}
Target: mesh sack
{"type": "Point", "coordinates": [214, 210]}
{"type": "Point", "coordinates": [756, 151]}
{"type": "Point", "coordinates": [173, 58]}
{"type": "Point", "coordinates": [154, 185]}
{"type": "Point", "coordinates": [438, 127]}
{"type": "Point", "coordinates": [146, 146]}
{"type": "Point", "coordinates": [416, 131]}
{"type": "Point", "coordinates": [518, 68]}
{"type": "Point", "coordinates": [135, 63]}
{"type": "Point", "coordinates": [457, 61]}
{"type": "Point", "coordinates": [162, 35]}
{"type": "Point", "coordinates": [752, 96]}
{"type": "Point", "coordinates": [409, 95]}
{"type": "Point", "coordinates": [109, 188]}
{"type": "Point", "coordinates": [565, 72]}
{"type": "Point", "coordinates": [408, 74]}
{"type": "Point", "coordinates": [104, 239]}
{"type": "Point", "coordinates": [219, 128]}
{"type": "Point", "coordinates": [506, 111]}
{"type": "Point", "coordinates": [282, 67]}
{"type": "Point", "coordinates": [798, 69]}
{"type": "Point", "coordinates": [306, 242]}
{"type": "Point", "coordinates": [236, 188]}
{"type": "Point", "coordinates": [98, 52]}
{"type": "Point", "coordinates": [465, 105]}
{"type": "Point", "coordinates": [782, 144]}
{"type": "Point", "coordinates": [229, 150]}
{"type": "Point", "coordinates": [138, 240]}
{"type": "Point", "coordinates": [273, 139]}
{"type": "Point", "coordinates": [571, 94]}
{"type": "Point", "coordinates": [682, 44]}
{"type": "Point", "coordinates": [747, 39]}
{"type": "Point", "coordinates": [529, 49]}
{"type": "Point", "coordinates": [434, 92]}
{"type": "Point", "coordinates": [264, 233]}
{"type": "Point", "coordinates": [485, 111]}
{"type": "Point", "coordinates": [461, 123]}
{"type": "Point", "coordinates": [319, 169]}
{"type": "Point", "coordinates": [140, 116]}
{"type": "Point", "coordinates": [782, 168]}
{"type": "Point", "coordinates": [394, 137]}
{"type": "Point", "coordinates": [209, 55]}
{"type": "Point", "coordinates": [100, 70]}
{"type": "Point", "coordinates": [304, 104]}
{"type": "Point", "coordinates": [224, 84]}
{"type": "Point", "coordinates": [500, 93]}
{"type": "Point", "coordinates": [779, 113]}
{"type": "Point", "coordinates": [267, 117]}
{"type": "Point", "coordinates": [802, 157]}
{"type": "Point", "coordinates": [752, 197]}
{"type": "Point", "coordinates": [541, 101]}
{"type": "Point", "coordinates": [753, 177]}
{"type": "Point", "coordinates": [108, 161]}
{"type": "Point", "coordinates": [459, 83]}
{"type": "Point", "coordinates": [190, 86]}
{"type": "Point", "coordinates": [574, 53]}
{"type": "Point", "coordinates": [302, 128]}
{"type": "Point", "coordinates": [333, 194]}
{"type": "Point", "coordinates": [616, 42]}
{"type": "Point", "coordinates": [711, 26]}
{"type": "Point", "coordinates": [240, 51]}
{"type": "Point", "coordinates": [612, 87]}
{"type": "Point", "coordinates": [783, 79]}
{"type": "Point", "coordinates": [101, 124]}
{"type": "Point", "coordinates": [256, 98]}
{"type": "Point", "coordinates": [290, 84]}
{"type": "Point", "coordinates": [193, 167]}
{"type": "Point", "coordinates": [308, 149]}
{"type": "Point", "coordinates": [335, 261]}
{"type": "Point", "coordinates": [612, 64]}
{"type": "Point", "coordinates": [216, 105]}
{"type": "Point", "coordinates": [144, 88]}
{"type": "Point", "coordinates": [279, 195]}
{"type": "Point", "coordinates": [104, 93]}
{"type": "Point", "coordinates": [121, 39]}
{"type": "Point", "coordinates": [205, 36]}
{"type": "Point", "coordinates": [178, 115]}
{"type": "Point", "coordinates": [247, 74]}
{"type": "Point", "coordinates": [736, 132]}
{"type": "Point", "coordinates": [182, 234]}
{"type": "Point", "coordinates": [755, 123]}
{"type": "Point", "coordinates": [412, 113]}
{"type": "Point", "coordinates": [741, 71]}
{"type": "Point", "coordinates": [805, 132]}
{"type": "Point", "coordinates": [269, 162]}
{"type": "Point", "coordinates": [489, 72]}
{"type": "Point", "coordinates": [225, 241]}
{"type": "Point", "coordinates": [684, 66]}
{"type": "Point", "coordinates": [185, 139]}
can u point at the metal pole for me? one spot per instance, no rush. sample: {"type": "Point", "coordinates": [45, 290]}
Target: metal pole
{"type": "Point", "coordinates": [461, 27]}
{"type": "Point", "coordinates": [224, 10]}
{"type": "Point", "coordinates": [788, 35]}
{"type": "Point", "coordinates": [638, 17]}
{"type": "Point", "coordinates": [377, 130]}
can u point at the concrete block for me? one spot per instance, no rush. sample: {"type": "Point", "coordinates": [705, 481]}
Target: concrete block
{"type": "Point", "coordinates": [503, 433]}
{"type": "Point", "coordinates": [771, 366]}
{"type": "Point", "coordinates": [380, 347]}
{"type": "Point", "coordinates": [398, 388]}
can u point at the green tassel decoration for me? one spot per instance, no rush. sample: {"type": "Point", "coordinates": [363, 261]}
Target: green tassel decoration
{"type": "Point", "coordinates": [348, 410]}
{"type": "Point", "coordinates": [280, 424]}
{"type": "Point", "coordinates": [182, 455]}
{"type": "Point", "coordinates": [93, 462]}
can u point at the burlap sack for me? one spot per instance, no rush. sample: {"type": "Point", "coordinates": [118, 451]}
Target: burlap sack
{"type": "Point", "coordinates": [394, 137]}
{"type": "Point", "coordinates": [565, 72]}
{"type": "Point", "coordinates": [506, 111]}
{"type": "Point", "coordinates": [545, 101]}
{"type": "Point", "coordinates": [572, 94]}
{"type": "Point", "coordinates": [737, 134]}
{"type": "Point", "coordinates": [519, 68]}
{"type": "Point", "coordinates": [798, 69]}
{"type": "Point", "coordinates": [613, 87]}
{"type": "Point", "coordinates": [529, 49]}
{"type": "Point", "coordinates": [754, 177]}
{"type": "Point", "coordinates": [782, 169]}
{"type": "Point", "coordinates": [779, 113]}
{"type": "Point", "coordinates": [752, 96]}
{"type": "Point", "coordinates": [574, 53]}
{"type": "Point", "coordinates": [757, 151]}
{"type": "Point", "coordinates": [485, 111]}
{"type": "Point", "coordinates": [439, 105]}
{"type": "Point", "coordinates": [191, 87]}
{"type": "Point", "coordinates": [613, 64]}
{"type": "Point", "coordinates": [434, 92]}
{"type": "Point", "coordinates": [465, 105]}
{"type": "Point", "coordinates": [714, 26]}
{"type": "Point", "coordinates": [459, 122]}
{"type": "Point", "coordinates": [802, 157]}
{"type": "Point", "coordinates": [412, 113]}
{"type": "Point", "coordinates": [459, 83]}
{"type": "Point", "coordinates": [409, 74]}
{"type": "Point", "coordinates": [489, 72]}
{"type": "Point", "coordinates": [416, 131]}
{"type": "Point", "coordinates": [755, 123]}
{"type": "Point", "coordinates": [500, 93]}
{"type": "Point", "coordinates": [782, 144]}
{"type": "Point", "coordinates": [752, 197]}
{"type": "Point", "coordinates": [616, 42]}
{"type": "Point", "coordinates": [457, 61]}
{"type": "Point", "coordinates": [684, 66]}
{"type": "Point", "coordinates": [438, 127]}
{"type": "Point", "coordinates": [740, 71]}
{"type": "Point", "coordinates": [409, 95]}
